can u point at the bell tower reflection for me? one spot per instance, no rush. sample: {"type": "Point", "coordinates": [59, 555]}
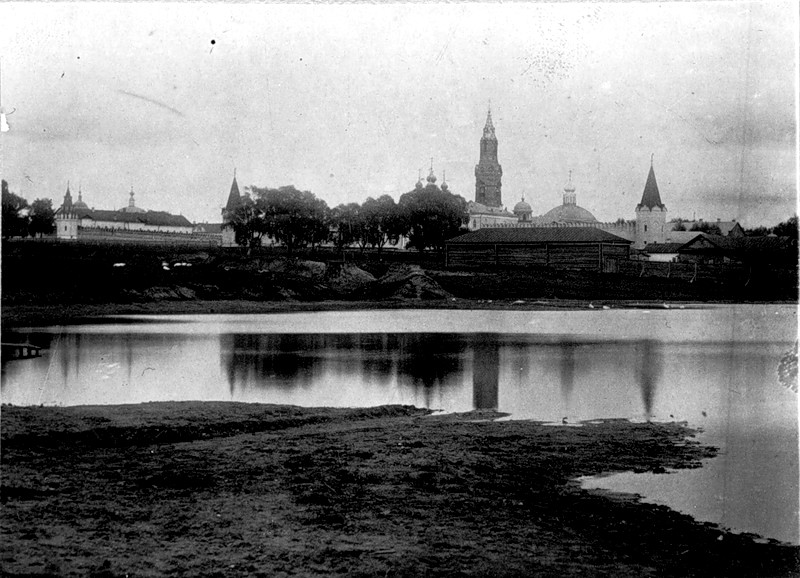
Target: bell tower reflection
{"type": "Point", "coordinates": [485, 373]}
{"type": "Point", "coordinates": [567, 370]}
{"type": "Point", "coordinates": [649, 372]}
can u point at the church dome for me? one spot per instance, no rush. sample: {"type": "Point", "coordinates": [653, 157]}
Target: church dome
{"type": "Point", "coordinates": [568, 214]}
{"type": "Point", "coordinates": [80, 204]}
{"type": "Point", "coordinates": [522, 207]}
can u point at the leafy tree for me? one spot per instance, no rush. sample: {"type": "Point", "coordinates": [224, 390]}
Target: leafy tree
{"type": "Point", "coordinates": [381, 220]}
{"type": "Point", "coordinates": [320, 224]}
{"type": "Point", "coordinates": [14, 220]}
{"type": "Point", "coordinates": [704, 227]}
{"type": "Point", "coordinates": [291, 217]}
{"type": "Point", "coordinates": [787, 228]}
{"type": "Point", "coordinates": [679, 224]}
{"type": "Point", "coordinates": [430, 216]}
{"type": "Point", "coordinates": [347, 224]}
{"type": "Point", "coordinates": [247, 223]}
{"type": "Point", "coordinates": [759, 231]}
{"type": "Point", "coordinates": [42, 217]}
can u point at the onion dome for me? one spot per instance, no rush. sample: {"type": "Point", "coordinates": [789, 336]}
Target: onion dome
{"type": "Point", "coordinates": [445, 186]}
{"type": "Point", "coordinates": [431, 177]}
{"type": "Point", "coordinates": [80, 204]}
{"type": "Point", "coordinates": [522, 207]}
{"type": "Point", "coordinates": [419, 185]}
{"type": "Point", "coordinates": [132, 208]}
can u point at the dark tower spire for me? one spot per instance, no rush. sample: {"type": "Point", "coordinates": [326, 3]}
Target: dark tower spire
{"type": "Point", "coordinates": [651, 197]}
{"type": "Point", "coordinates": [234, 198]}
{"type": "Point", "coordinates": [488, 172]}
{"type": "Point", "coordinates": [67, 205]}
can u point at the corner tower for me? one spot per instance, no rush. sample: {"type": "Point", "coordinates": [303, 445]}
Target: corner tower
{"type": "Point", "coordinates": [651, 214]}
{"type": "Point", "coordinates": [66, 219]}
{"type": "Point", "coordinates": [488, 172]}
{"type": "Point", "coordinates": [228, 214]}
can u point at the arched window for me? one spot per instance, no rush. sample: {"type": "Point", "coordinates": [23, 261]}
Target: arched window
{"type": "Point", "coordinates": [645, 228]}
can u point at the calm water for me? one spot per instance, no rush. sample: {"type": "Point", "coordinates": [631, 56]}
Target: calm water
{"type": "Point", "coordinates": [715, 368]}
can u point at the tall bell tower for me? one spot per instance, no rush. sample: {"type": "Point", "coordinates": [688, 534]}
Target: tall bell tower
{"type": "Point", "coordinates": [488, 171]}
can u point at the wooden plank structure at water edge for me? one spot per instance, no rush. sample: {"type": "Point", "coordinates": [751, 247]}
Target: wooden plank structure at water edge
{"type": "Point", "coordinates": [577, 248]}
{"type": "Point", "coordinates": [20, 351]}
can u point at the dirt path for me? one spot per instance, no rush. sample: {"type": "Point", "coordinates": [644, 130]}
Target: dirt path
{"type": "Point", "coordinates": [225, 489]}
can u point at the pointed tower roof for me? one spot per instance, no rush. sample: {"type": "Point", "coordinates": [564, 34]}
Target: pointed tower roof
{"type": "Point", "coordinates": [234, 198]}
{"type": "Point", "coordinates": [488, 128]}
{"type": "Point", "coordinates": [67, 204]}
{"type": "Point", "coordinates": [650, 197]}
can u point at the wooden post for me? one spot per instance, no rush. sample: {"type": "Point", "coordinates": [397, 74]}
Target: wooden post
{"type": "Point", "coordinates": [600, 257]}
{"type": "Point", "coordinates": [496, 256]}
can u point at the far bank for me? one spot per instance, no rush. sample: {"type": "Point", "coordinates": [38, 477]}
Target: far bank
{"type": "Point", "coordinates": [52, 282]}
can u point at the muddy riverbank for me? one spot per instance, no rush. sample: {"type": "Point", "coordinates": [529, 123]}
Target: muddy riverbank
{"type": "Point", "coordinates": [225, 489]}
{"type": "Point", "coordinates": [40, 315]}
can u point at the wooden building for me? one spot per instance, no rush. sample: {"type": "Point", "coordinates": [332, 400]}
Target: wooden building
{"type": "Point", "coordinates": [579, 248]}
{"type": "Point", "coordinates": [764, 250]}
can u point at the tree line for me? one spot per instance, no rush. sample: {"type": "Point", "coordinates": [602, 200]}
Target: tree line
{"type": "Point", "coordinates": [426, 216]}
{"type": "Point", "coordinates": [787, 228]}
{"type": "Point", "coordinates": [21, 219]}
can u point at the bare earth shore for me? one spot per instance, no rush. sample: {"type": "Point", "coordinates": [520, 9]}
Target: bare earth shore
{"type": "Point", "coordinates": [43, 315]}
{"type": "Point", "coordinates": [229, 489]}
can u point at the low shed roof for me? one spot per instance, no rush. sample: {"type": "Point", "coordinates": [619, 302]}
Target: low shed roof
{"type": "Point", "coordinates": [662, 247]}
{"type": "Point", "coordinates": [738, 244]}
{"type": "Point", "coordinates": [538, 235]}
{"type": "Point", "coordinates": [153, 218]}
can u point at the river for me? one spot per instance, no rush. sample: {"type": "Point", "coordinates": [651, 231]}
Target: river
{"type": "Point", "coordinates": [714, 367]}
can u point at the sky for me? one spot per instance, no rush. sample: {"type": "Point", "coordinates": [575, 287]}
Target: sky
{"type": "Point", "coordinates": [350, 101]}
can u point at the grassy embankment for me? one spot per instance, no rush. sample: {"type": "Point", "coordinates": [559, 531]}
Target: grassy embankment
{"type": "Point", "coordinates": [55, 282]}
{"type": "Point", "coordinates": [189, 489]}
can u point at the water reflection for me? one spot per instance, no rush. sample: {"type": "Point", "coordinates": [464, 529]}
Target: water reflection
{"type": "Point", "coordinates": [567, 370]}
{"type": "Point", "coordinates": [427, 364]}
{"type": "Point", "coordinates": [650, 367]}
{"type": "Point", "coordinates": [485, 373]}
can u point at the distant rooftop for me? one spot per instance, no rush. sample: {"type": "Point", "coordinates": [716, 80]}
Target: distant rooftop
{"type": "Point", "coordinates": [538, 235]}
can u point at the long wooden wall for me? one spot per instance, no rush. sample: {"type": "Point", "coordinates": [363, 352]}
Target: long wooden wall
{"type": "Point", "coordinates": [147, 237]}
{"type": "Point", "coordinates": [579, 256]}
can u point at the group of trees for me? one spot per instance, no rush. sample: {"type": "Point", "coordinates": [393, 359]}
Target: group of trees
{"type": "Point", "coordinates": [426, 216]}
{"type": "Point", "coordinates": [20, 219]}
{"type": "Point", "coordinates": [787, 228]}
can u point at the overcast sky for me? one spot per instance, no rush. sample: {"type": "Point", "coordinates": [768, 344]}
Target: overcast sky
{"type": "Point", "coordinates": [350, 101]}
